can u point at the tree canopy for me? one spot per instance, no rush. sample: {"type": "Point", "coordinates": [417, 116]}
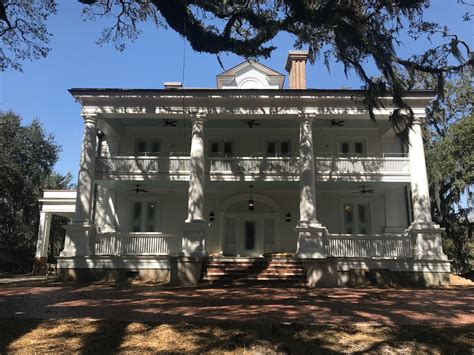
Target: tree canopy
{"type": "Point", "coordinates": [349, 31]}
{"type": "Point", "coordinates": [27, 157]}
{"type": "Point", "coordinates": [449, 144]}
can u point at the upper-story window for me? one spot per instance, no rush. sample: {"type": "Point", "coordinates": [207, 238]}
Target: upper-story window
{"type": "Point", "coordinates": [278, 147]}
{"type": "Point", "coordinates": [221, 148]}
{"type": "Point", "coordinates": [147, 147]}
{"type": "Point", "coordinates": [352, 147]}
{"type": "Point", "coordinates": [144, 216]}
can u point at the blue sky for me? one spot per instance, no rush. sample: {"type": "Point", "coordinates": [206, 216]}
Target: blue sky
{"type": "Point", "coordinates": [40, 91]}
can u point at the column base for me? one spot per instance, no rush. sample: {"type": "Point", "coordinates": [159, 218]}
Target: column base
{"type": "Point", "coordinates": [40, 266]}
{"type": "Point", "coordinates": [78, 237]}
{"type": "Point", "coordinates": [312, 242]}
{"type": "Point", "coordinates": [194, 238]}
{"type": "Point", "coordinates": [426, 241]}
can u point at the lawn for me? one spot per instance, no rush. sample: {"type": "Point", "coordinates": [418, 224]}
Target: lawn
{"type": "Point", "coordinates": [88, 335]}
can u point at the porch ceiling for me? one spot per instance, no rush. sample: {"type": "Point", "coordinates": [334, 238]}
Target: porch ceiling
{"type": "Point", "coordinates": [263, 123]}
{"type": "Point", "coordinates": [239, 186]}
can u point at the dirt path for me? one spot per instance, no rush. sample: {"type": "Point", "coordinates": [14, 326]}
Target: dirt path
{"type": "Point", "coordinates": [389, 307]}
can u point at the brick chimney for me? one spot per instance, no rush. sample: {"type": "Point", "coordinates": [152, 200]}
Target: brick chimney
{"type": "Point", "coordinates": [296, 67]}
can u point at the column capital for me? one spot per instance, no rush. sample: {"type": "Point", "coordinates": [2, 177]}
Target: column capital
{"type": "Point", "coordinates": [89, 118]}
{"type": "Point", "coordinates": [198, 116]}
{"type": "Point", "coordinates": [304, 118]}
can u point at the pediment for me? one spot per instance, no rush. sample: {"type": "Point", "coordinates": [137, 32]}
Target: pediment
{"type": "Point", "coordinates": [250, 75]}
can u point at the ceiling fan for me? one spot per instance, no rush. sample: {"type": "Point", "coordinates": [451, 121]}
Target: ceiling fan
{"type": "Point", "coordinates": [250, 123]}
{"type": "Point", "coordinates": [138, 189]}
{"type": "Point", "coordinates": [364, 191]}
{"type": "Point", "coordinates": [333, 123]}
{"type": "Point", "coordinates": [168, 122]}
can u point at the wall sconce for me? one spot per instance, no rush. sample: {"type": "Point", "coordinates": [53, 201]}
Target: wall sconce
{"type": "Point", "coordinates": [211, 217]}
{"type": "Point", "coordinates": [251, 201]}
{"type": "Point", "coordinates": [288, 217]}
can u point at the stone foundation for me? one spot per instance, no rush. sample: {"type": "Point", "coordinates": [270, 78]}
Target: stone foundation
{"type": "Point", "coordinates": [185, 271]}
{"type": "Point", "coordinates": [387, 273]}
{"type": "Point", "coordinates": [114, 275]}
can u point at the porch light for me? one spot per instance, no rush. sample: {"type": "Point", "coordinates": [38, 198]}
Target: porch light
{"type": "Point", "coordinates": [211, 217]}
{"type": "Point", "coordinates": [288, 217]}
{"type": "Point", "coordinates": [251, 201]}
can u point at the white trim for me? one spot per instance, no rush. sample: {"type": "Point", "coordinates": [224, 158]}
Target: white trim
{"type": "Point", "coordinates": [244, 197]}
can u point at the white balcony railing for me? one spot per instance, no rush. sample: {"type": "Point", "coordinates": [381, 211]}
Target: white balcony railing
{"type": "Point", "coordinates": [369, 246]}
{"type": "Point", "coordinates": [146, 165]}
{"type": "Point", "coordinates": [254, 165]}
{"type": "Point", "coordinates": [337, 167]}
{"type": "Point", "coordinates": [340, 165]}
{"type": "Point", "coordinates": [137, 244]}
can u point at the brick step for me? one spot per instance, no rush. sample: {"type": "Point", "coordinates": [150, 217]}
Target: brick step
{"type": "Point", "coordinates": [252, 263]}
{"type": "Point", "coordinates": [235, 270]}
{"type": "Point", "coordinates": [242, 275]}
{"type": "Point", "coordinates": [250, 277]}
{"type": "Point", "coordinates": [264, 283]}
{"type": "Point", "coordinates": [254, 269]}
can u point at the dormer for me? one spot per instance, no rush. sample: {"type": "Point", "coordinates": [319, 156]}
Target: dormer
{"type": "Point", "coordinates": [250, 75]}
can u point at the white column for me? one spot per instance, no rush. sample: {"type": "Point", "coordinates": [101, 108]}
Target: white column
{"type": "Point", "coordinates": [43, 235]}
{"type": "Point", "coordinates": [85, 182]}
{"type": "Point", "coordinates": [307, 175]}
{"type": "Point", "coordinates": [195, 226]}
{"type": "Point", "coordinates": [80, 232]}
{"type": "Point", "coordinates": [311, 234]}
{"type": "Point", "coordinates": [419, 179]}
{"type": "Point", "coordinates": [197, 172]}
{"type": "Point", "coordinates": [425, 235]}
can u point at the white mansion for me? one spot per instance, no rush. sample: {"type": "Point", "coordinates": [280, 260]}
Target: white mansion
{"type": "Point", "coordinates": [176, 180]}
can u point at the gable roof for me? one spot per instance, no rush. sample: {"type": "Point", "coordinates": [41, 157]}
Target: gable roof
{"type": "Point", "coordinates": [231, 74]}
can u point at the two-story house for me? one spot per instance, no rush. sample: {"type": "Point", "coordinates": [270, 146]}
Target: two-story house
{"type": "Point", "coordinates": [175, 180]}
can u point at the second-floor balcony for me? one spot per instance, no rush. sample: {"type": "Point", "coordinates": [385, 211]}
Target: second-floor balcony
{"type": "Point", "coordinates": [176, 167]}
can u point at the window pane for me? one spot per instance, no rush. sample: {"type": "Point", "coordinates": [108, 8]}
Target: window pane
{"type": "Point", "coordinates": [228, 148]}
{"type": "Point", "coordinates": [348, 213]}
{"type": "Point", "coordinates": [271, 148]}
{"type": "Point", "coordinates": [141, 147]}
{"type": "Point", "coordinates": [137, 217]}
{"type": "Point", "coordinates": [214, 147]}
{"type": "Point", "coordinates": [155, 147]}
{"type": "Point", "coordinates": [348, 218]}
{"type": "Point", "coordinates": [345, 148]}
{"type": "Point", "coordinates": [363, 218]}
{"type": "Point", "coordinates": [150, 216]}
{"type": "Point", "coordinates": [359, 147]}
{"type": "Point", "coordinates": [285, 147]}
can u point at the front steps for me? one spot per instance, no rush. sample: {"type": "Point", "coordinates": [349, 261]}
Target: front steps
{"type": "Point", "coordinates": [254, 270]}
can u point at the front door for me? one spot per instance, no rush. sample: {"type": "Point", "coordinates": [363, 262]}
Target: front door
{"type": "Point", "coordinates": [249, 234]}
{"type": "Point", "coordinates": [249, 239]}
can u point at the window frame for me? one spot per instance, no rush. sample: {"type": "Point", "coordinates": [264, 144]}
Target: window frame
{"type": "Point", "coordinates": [278, 147]}
{"type": "Point", "coordinates": [355, 202]}
{"type": "Point", "coordinates": [351, 141]}
{"type": "Point", "coordinates": [148, 144]}
{"type": "Point", "coordinates": [157, 226]}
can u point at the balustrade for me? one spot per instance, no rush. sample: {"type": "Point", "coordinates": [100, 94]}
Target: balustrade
{"type": "Point", "coordinates": [137, 244]}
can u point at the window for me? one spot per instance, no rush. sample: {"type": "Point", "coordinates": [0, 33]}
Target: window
{"type": "Point", "coordinates": [147, 147]}
{"type": "Point", "coordinates": [352, 147]}
{"type": "Point", "coordinates": [221, 148]}
{"type": "Point", "coordinates": [356, 218]}
{"type": "Point", "coordinates": [144, 216]}
{"type": "Point", "coordinates": [280, 147]}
